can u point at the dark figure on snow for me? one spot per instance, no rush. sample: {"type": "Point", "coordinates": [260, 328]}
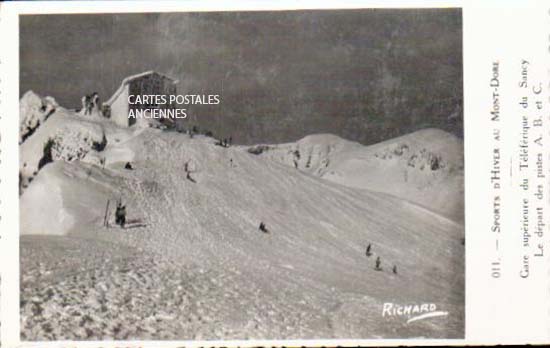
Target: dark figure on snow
{"type": "Point", "coordinates": [120, 214]}
{"type": "Point", "coordinates": [230, 141]}
{"type": "Point", "coordinates": [188, 176]}
{"type": "Point", "coordinates": [378, 262]}
{"type": "Point", "coordinates": [95, 101]}
{"type": "Point", "coordinates": [263, 228]}
{"type": "Point", "coordinates": [128, 166]}
{"type": "Point", "coordinates": [188, 172]}
{"type": "Point", "coordinates": [106, 110]}
{"type": "Point", "coordinates": [87, 104]}
{"type": "Point", "coordinates": [368, 252]}
{"type": "Point", "coordinates": [394, 270]}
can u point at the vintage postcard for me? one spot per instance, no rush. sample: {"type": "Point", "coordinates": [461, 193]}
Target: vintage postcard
{"type": "Point", "coordinates": [274, 174]}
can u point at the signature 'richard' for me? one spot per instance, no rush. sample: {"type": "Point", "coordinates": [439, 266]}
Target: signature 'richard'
{"type": "Point", "coordinates": [413, 312]}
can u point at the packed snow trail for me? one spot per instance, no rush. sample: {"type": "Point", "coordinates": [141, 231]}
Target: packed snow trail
{"type": "Point", "coordinates": [308, 278]}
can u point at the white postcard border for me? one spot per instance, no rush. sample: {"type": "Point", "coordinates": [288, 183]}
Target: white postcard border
{"type": "Point", "coordinates": [485, 323]}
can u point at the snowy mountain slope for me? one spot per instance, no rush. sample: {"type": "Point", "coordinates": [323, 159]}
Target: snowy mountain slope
{"type": "Point", "coordinates": [425, 167]}
{"type": "Point", "coordinates": [299, 280]}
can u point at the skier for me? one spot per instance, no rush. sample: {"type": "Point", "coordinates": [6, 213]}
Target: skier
{"type": "Point", "coordinates": [378, 262]}
{"type": "Point", "coordinates": [394, 270]}
{"type": "Point", "coordinates": [120, 214]}
{"type": "Point", "coordinates": [188, 176]}
{"type": "Point", "coordinates": [106, 110]}
{"type": "Point", "coordinates": [368, 252]}
{"type": "Point", "coordinates": [188, 172]}
{"type": "Point", "coordinates": [88, 105]}
{"type": "Point", "coordinates": [263, 228]}
{"type": "Point", "coordinates": [128, 166]}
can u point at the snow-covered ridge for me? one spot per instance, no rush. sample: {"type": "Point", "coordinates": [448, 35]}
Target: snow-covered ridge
{"type": "Point", "coordinates": [54, 133]}
{"type": "Point", "coordinates": [33, 111]}
{"type": "Point", "coordinates": [425, 167]}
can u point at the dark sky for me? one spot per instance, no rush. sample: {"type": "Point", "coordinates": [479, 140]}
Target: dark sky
{"type": "Point", "coordinates": [366, 75]}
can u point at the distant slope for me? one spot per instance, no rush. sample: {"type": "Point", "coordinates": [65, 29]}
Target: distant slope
{"type": "Point", "coordinates": [425, 167]}
{"type": "Point", "coordinates": [312, 258]}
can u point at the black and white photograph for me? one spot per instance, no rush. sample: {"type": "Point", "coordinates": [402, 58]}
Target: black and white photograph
{"type": "Point", "coordinates": [242, 175]}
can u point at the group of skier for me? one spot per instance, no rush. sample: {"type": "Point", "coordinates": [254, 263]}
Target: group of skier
{"type": "Point", "coordinates": [378, 262]}
{"type": "Point", "coordinates": [225, 142]}
{"type": "Point", "coordinates": [120, 219]}
{"type": "Point", "coordinates": [90, 102]}
{"type": "Point", "coordinates": [120, 213]}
